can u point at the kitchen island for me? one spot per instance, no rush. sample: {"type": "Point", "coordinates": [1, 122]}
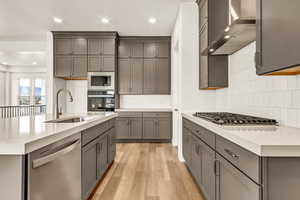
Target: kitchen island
{"type": "Point", "coordinates": [259, 162]}
{"type": "Point", "coordinates": [22, 136]}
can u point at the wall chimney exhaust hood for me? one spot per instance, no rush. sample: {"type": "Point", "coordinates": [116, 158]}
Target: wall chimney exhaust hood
{"type": "Point", "coordinates": [241, 29]}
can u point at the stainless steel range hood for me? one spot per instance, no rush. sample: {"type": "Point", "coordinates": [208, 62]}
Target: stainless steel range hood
{"type": "Point", "coordinates": [240, 31]}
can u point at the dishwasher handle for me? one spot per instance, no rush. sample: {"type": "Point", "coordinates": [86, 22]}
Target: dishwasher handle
{"type": "Point", "coordinates": [49, 158]}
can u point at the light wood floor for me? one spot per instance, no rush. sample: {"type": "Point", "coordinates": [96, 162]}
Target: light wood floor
{"type": "Point", "coordinates": [147, 172]}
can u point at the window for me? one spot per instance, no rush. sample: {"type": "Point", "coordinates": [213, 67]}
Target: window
{"type": "Point", "coordinates": [39, 92]}
{"type": "Point", "coordinates": [32, 91]}
{"type": "Point", "coordinates": [24, 91]}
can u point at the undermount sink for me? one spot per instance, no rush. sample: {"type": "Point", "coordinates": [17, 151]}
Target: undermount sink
{"type": "Point", "coordinates": [67, 120]}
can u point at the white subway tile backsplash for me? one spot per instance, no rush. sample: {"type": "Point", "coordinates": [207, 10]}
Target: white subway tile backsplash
{"type": "Point", "coordinates": [266, 96]}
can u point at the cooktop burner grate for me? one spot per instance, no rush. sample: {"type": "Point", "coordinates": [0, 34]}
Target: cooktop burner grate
{"type": "Point", "coordinates": [224, 118]}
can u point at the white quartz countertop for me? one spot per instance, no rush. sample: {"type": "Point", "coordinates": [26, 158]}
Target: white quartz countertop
{"type": "Point", "coordinates": [267, 141]}
{"type": "Point", "coordinates": [144, 110]}
{"type": "Point", "coordinates": [22, 135]}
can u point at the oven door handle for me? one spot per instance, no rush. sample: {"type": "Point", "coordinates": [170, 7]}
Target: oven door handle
{"type": "Point", "coordinates": [49, 158]}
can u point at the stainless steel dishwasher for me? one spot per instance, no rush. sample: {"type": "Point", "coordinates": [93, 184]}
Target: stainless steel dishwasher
{"type": "Point", "coordinates": [54, 171]}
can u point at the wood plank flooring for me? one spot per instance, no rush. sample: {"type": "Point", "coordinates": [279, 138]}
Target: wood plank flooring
{"type": "Point", "coordinates": [147, 172]}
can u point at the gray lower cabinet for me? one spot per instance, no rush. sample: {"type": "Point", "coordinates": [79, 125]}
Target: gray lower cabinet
{"type": "Point", "coordinates": [187, 146]}
{"type": "Point", "coordinates": [102, 155]}
{"type": "Point", "coordinates": [98, 152]}
{"type": "Point", "coordinates": [89, 168]}
{"type": "Point", "coordinates": [232, 184]}
{"type": "Point", "coordinates": [129, 128]}
{"type": "Point", "coordinates": [156, 128]}
{"type": "Point", "coordinates": [152, 126]}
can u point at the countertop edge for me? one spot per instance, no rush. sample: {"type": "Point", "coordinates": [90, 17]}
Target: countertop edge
{"type": "Point", "coordinates": [27, 147]}
{"type": "Point", "coordinates": [258, 149]}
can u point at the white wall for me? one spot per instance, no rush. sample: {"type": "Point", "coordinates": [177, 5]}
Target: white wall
{"type": "Point", "coordinates": [2, 87]}
{"type": "Point", "coordinates": [78, 89]}
{"type": "Point", "coordinates": [185, 70]}
{"type": "Point", "coordinates": [145, 101]}
{"type": "Point", "coordinates": [267, 96]}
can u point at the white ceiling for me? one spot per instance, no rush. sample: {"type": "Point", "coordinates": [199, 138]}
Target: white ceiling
{"type": "Point", "coordinates": [31, 19]}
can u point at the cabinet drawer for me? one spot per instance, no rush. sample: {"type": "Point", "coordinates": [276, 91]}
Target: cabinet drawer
{"type": "Point", "coordinates": [93, 132]}
{"type": "Point", "coordinates": [244, 160]}
{"type": "Point", "coordinates": [205, 135]}
{"type": "Point", "coordinates": [130, 114]}
{"type": "Point", "coordinates": [156, 114]}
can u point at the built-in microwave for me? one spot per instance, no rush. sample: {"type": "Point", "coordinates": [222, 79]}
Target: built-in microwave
{"type": "Point", "coordinates": [101, 81]}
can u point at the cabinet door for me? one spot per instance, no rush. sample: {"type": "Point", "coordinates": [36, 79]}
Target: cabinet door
{"type": "Point", "coordinates": [94, 46]}
{"type": "Point", "coordinates": [89, 168]}
{"type": "Point", "coordinates": [162, 49]}
{"type": "Point", "coordinates": [137, 50]}
{"type": "Point", "coordinates": [63, 46]}
{"type": "Point", "coordinates": [94, 63]}
{"type": "Point", "coordinates": [203, 83]}
{"type": "Point", "coordinates": [164, 128]}
{"type": "Point", "coordinates": [108, 64]}
{"type": "Point", "coordinates": [63, 66]}
{"type": "Point", "coordinates": [186, 147]}
{"type": "Point", "coordinates": [163, 76]}
{"type": "Point", "coordinates": [204, 38]}
{"type": "Point", "coordinates": [79, 66]}
{"type": "Point", "coordinates": [79, 46]}
{"type": "Point", "coordinates": [196, 161]}
{"type": "Point", "coordinates": [150, 76]}
{"type": "Point", "coordinates": [102, 161]}
{"type": "Point", "coordinates": [277, 36]}
{"type": "Point", "coordinates": [208, 179]}
{"type": "Point", "coordinates": [136, 128]}
{"type": "Point", "coordinates": [150, 50]}
{"type": "Point", "coordinates": [149, 128]}
{"type": "Point", "coordinates": [124, 76]}
{"type": "Point", "coordinates": [233, 184]}
{"type": "Point", "coordinates": [137, 75]}
{"type": "Point", "coordinates": [122, 128]}
{"type": "Point", "coordinates": [108, 46]}
{"type": "Point", "coordinates": [124, 49]}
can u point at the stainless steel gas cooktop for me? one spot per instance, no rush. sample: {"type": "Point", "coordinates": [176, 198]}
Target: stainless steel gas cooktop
{"type": "Point", "coordinates": [224, 118]}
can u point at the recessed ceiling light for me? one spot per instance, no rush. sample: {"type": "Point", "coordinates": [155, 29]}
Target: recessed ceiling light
{"type": "Point", "coordinates": [34, 63]}
{"type": "Point", "coordinates": [104, 20]}
{"type": "Point", "coordinates": [227, 29]}
{"type": "Point", "coordinates": [211, 50]}
{"type": "Point", "coordinates": [4, 63]}
{"type": "Point", "coordinates": [227, 36]}
{"type": "Point", "coordinates": [57, 20]}
{"type": "Point", "coordinates": [152, 20]}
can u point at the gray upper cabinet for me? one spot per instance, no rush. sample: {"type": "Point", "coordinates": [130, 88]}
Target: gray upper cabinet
{"type": "Point", "coordinates": [63, 46]}
{"type": "Point", "coordinates": [150, 70]}
{"type": "Point", "coordinates": [63, 66]}
{"type": "Point", "coordinates": [130, 76]}
{"type": "Point", "coordinates": [156, 49]}
{"type": "Point", "coordinates": [149, 60]}
{"type": "Point", "coordinates": [130, 49]}
{"type": "Point", "coordinates": [101, 46]}
{"type": "Point", "coordinates": [229, 177]}
{"type": "Point", "coordinates": [76, 53]}
{"type": "Point", "coordinates": [213, 70]}
{"type": "Point", "coordinates": [277, 49]}
{"type": "Point", "coordinates": [79, 46]}
{"type": "Point", "coordinates": [157, 76]}
{"type": "Point", "coordinates": [79, 66]}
